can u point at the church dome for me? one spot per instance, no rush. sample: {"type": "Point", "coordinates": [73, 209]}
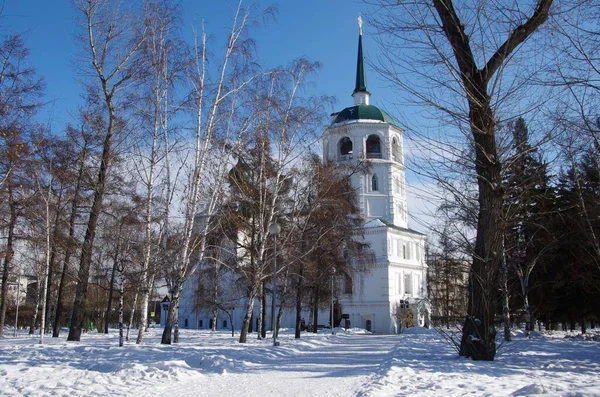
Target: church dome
{"type": "Point", "coordinates": [362, 112]}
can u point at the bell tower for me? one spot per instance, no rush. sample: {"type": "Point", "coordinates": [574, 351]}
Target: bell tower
{"type": "Point", "coordinates": [363, 132]}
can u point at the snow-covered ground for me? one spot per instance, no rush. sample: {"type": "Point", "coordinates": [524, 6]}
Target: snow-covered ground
{"type": "Point", "coordinates": [417, 363]}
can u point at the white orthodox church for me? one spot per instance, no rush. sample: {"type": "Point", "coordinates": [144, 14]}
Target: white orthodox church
{"type": "Point", "coordinates": [394, 287]}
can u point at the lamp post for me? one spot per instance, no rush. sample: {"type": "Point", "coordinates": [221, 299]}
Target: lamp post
{"type": "Point", "coordinates": [332, 325]}
{"type": "Point", "coordinates": [274, 230]}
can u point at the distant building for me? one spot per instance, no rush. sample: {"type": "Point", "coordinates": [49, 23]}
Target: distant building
{"type": "Point", "coordinates": [19, 286]}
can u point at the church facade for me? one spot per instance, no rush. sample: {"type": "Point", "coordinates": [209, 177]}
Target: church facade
{"type": "Point", "coordinates": [392, 293]}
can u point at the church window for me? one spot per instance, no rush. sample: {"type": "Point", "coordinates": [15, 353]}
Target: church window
{"type": "Point", "coordinates": [396, 150]}
{"type": "Point", "coordinates": [373, 147]}
{"type": "Point", "coordinates": [417, 284]}
{"type": "Point", "coordinates": [374, 183]}
{"type": "Point", "coordinates": [345, 148]}
{"type": "Point", "coordinates": [404, 252]}
{"type": "Point", "coordinates": [224, 323]}
{"type": "Point", "coordinates": [408, 284]}
{"type": "Point", "coordinates": [200, 324]}
{"type": "Point", "coordinates": [185, 323]}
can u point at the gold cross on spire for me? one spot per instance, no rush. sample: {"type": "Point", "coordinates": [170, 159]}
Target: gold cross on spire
{"type": "Point", "coordinates": [360, 22]}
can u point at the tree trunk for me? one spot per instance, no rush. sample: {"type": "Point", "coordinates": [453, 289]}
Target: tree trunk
{"type": "Point", "coordinates": [49, 308]}
{"type": "Point", "coordinates": [112, 281]}
{"type": "Point", "coordinates": [8, 255]}
{"type": "Point", "coordinates": [70, 244]}
{"type": "Point", "coordinates": [479, 332]}
{"type": "Point", "coordinates": [80, 302]}
{"type": "Point", "coordinates": [299, 286]}
{"type": "Point", "coordinates": [121, 313]}
{"type": "Point", "coordinates": [315, 309]}
{"type": "Point", "coordinates": [131, 317]}
{"type": "Point", "coordinates": [298, 316]}
{"type": "Point", "coordinates": [215, 312]}
{"type": "Point", "coordinates": [248, 315]}
{"type": "Point", "coordinates": [279, 316]}
{"type": "Point", "coordinates": [505, 298]}
{"type": "Point", "coordinates": [259, 324]}
{"type": "Point", "coordinates": [36, 310]}
{"type": "Point", "coordinates": [47, 266]}
{"type": "Point", "coordinates": [172, 323]}
{"type": "Point", "coordinates": [263, 313]}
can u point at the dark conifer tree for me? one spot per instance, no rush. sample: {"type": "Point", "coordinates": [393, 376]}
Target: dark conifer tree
{"type": "Point", "coordinates": [527, 204]}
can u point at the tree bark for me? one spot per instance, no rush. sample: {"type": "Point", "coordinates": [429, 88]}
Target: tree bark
{"type": "Point", "coordinates": [112, 280]}
{"type": "Point", "coordinates": [299, 297]}
{"type": "Point", "coordinates": [248, 316]}
{"type": "Point", "coordinates": [8, 256]}
{"type": "Point", "coordinates": [505, 297]}
{"type": "Point", "coordinates": [263, 312]}
{"type": "Point", "coordinates": [131, 317]}
{"type": "Point", "coordinates": [70, 244]}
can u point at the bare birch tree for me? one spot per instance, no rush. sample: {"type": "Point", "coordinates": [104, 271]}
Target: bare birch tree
{"type": "Point", "coordinates": [113, 37]}
{"type": "Point", "coordinates": [161, 62]}
{"type": "Point", "coordinates": [211, 151]}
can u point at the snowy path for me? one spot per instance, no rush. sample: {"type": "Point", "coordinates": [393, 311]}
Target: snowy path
{"type": "Point", "coordinates": [339, 366]}
{"type": "Point", "coordinates": [417, 363]}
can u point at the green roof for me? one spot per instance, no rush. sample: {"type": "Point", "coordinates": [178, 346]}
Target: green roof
{"type": "Point", "coordinates": [363, 112]}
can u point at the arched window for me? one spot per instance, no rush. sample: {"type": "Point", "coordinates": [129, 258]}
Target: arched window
{"type": "Point", "coordinates": [374, 185]}
{"type": "Point", "coordinates": [396, 150]}
{"type": "Point", "coordinates": [373, 147]}
{"type": "Point", "coordinates": [345, 148]}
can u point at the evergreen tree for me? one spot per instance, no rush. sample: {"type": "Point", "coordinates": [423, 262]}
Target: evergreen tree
{"type": "Point", "coordinates": [527, 204]}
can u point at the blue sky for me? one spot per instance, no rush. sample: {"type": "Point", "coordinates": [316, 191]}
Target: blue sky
{"type": "Point", "coordinates": [321, 30]}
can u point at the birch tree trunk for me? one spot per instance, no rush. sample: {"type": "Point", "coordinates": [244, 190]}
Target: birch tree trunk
{"type": "Point", "coordinates": [505, 297]}
{"type": "Point", "coordinates": [158, 48]}
{"type": "Point", "coordinates": [132, 316]}
{"type": "Point", "coordinates": [193, 235]}
{"type": "Point", "coordinates": [47, 253]}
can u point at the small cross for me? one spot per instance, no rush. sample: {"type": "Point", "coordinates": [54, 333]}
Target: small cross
{"type": "Point", "coordinates": [360, 22]}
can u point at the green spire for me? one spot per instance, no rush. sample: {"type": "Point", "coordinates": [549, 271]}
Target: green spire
{"type": "Point", "coordinates": [361, 78]}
